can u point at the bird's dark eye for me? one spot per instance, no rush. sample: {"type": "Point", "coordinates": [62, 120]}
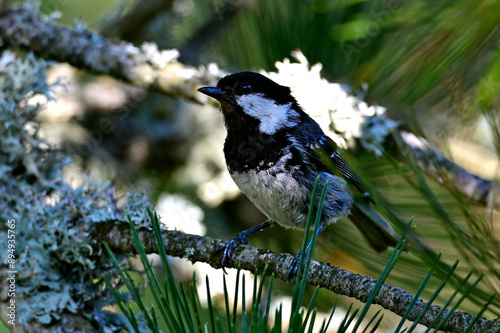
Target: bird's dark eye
{"type": "Point", "coordinates": [246, 89]}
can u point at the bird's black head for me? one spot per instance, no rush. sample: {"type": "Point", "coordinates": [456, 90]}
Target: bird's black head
{"type": "Point", "coordinates": [248, 98]}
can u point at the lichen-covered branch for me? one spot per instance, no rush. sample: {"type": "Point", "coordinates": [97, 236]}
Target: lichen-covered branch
{"type": "Point", "coordinates": [338, 280]}
{"type": "Point", "coordinates": [145, 67]}
{"type": "Point", "coordinates": [447, 173]}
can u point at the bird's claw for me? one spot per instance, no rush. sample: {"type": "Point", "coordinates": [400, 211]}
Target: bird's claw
{"type": "Point", "coordinates": [228, 248]}
{"type": "Point", "coordinates": [294, 266]}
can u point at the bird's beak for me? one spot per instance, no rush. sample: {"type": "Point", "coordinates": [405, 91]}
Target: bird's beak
{"type": "Point", "coordinates": [214, 92]}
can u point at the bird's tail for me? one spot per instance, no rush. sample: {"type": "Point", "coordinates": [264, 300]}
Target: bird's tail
{"type": "Point", "coordinates": [376, 231]}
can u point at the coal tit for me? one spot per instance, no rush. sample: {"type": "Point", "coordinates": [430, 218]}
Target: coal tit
{"type": "Point", "coordinates": [274, 152]}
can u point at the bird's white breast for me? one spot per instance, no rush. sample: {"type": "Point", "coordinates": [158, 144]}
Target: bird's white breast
{"type": "Point", "coordinates": [284, 195]}
{"type": "Point", "coordinates": [279, 196]}
{"type": "Point", "coordinates": [275, 192]}
{"type": "Point", "coordinates": [282, 191]}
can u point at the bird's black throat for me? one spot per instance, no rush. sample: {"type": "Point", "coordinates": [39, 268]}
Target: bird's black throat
{"type": "Point", "coordinates": [247, 148]}
{"type": "Point", "coordinates": [257, 151]}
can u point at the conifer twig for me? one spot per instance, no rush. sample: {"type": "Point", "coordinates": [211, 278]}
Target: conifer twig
{"type": "Point", "coordinates": [340, 281]}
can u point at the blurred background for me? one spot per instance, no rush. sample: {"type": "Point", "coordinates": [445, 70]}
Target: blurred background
{"type": "Point", "coordinates": [434, 65]}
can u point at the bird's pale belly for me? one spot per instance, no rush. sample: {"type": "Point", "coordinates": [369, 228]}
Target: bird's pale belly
{"type": "Point", "coordinates": [286, 201]}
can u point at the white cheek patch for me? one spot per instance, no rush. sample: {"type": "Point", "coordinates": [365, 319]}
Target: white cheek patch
{"type": "Point", "coordinates": [272, 116]}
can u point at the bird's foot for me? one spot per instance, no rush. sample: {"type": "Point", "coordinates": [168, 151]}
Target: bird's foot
{"type": "Point", "coordinates": [242, 238]}
{"type": "Point", "coordinates": [294, 266]}
{"type": "Point", "coordinates": [229, 246]}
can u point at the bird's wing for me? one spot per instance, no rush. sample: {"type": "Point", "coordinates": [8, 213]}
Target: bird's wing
{"type": "Point", "coordinates": [325, 156]}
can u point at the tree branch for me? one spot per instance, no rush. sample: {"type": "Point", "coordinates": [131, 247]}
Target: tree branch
{"type": "Point", "coordinates": [145, 67]}
{"type": "Point", "coordinates": [335, 279]}
{"type": "Point", "coordinates": [449, 174]}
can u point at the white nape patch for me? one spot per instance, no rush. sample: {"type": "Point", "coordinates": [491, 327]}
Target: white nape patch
{"type": "Point", "coordinates": [272, 116]}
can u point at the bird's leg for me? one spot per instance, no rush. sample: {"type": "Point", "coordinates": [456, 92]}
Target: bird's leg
{"type": "Point", "coordinates": [292, 272]}
{"type": "Point", "coordinates": [242, 238]}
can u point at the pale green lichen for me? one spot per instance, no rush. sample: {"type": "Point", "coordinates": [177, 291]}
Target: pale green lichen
{"type": "Point", "coordinates": [189, 253]}
{"type": "Point", "coordinates": [59, 268]}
